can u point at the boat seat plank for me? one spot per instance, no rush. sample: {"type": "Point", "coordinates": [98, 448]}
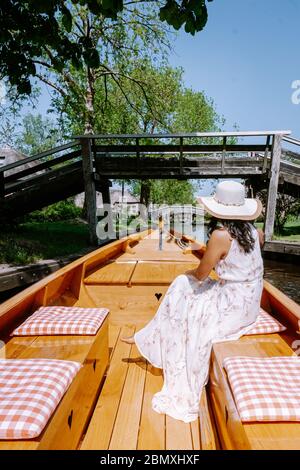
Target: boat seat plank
{"type": "Point", "coordinates": [273, 436]}
{"type": "Point", "coordinates": [149, 250]}
{"type": "Point", "coordinates": [233, 433]}
{"type": "Point", "coordinates": [127, 305]}
{"type": "Point", "coordinates": [160, 273]}
{"type": "Point", "coordinates": [152, 426]}
{"type": "Point", "coordinates": [72, 414]}
{"type": "Point", "coordinates": [101, 426]}
{"type": "Point", "coordinates": [112, 273]}
{"type": "Point", "coordinates": [19, 445]}
{"type": "Point", "coordinates": [15, 346]}
{"type": "Point", "coordinates": [160, 257]}
{"type": "Point", "coordinates": [256, 345]}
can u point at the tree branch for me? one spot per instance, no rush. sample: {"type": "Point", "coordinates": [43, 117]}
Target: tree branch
{"type": "Point", "coordinates": [113, 74]}
{"type": "Point", "coordinates": [51, 84]}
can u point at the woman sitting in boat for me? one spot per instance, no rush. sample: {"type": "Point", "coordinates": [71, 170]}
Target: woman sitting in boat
{"type": "Point", "coordinates": [198, 311]}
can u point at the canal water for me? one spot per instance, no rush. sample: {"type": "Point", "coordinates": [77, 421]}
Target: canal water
{"type": "Point", "coordinates": [285, 276]}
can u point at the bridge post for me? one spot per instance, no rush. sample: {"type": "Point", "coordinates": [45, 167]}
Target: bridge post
{"type": "Point", "coordinates": [104, 189]}
{"type": "Point", "coordinates": [89, 188]}
{"type": "Point", "coordinates": [2, 189]}
{"type": "Point", "coordinates": [273, 188]}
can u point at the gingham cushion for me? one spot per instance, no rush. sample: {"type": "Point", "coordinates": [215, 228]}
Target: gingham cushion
{"type": "Point", "coordinates": [30, 390]}
{"type": "Point", "coordinates": [265, 388]}
{"type": "Point", "coordinates": [62, 321]}
{"type": "Point", "coordinates": [265, 324]}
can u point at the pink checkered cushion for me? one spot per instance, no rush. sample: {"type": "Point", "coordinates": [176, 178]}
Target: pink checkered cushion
{"type": "Point", "coordinates": [265, 324]}
{"type": "Point", "coordinates": [265, 388]}
{"type": "Point", "coordinates": [30, 390]}
{"type": "Point", "coordinates": [62, 321]}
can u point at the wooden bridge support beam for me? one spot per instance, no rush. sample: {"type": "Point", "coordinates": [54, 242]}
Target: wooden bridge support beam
{"type": "Point", "coordinates": [102, 185]}
{"type": "Point", "coordinates": [89, 187]}
{"type": "Point", "coordinates": [273, 187]}
{"type": "Point", "coordinates": [104, 188]}
{"type": "Point", "coordinates": [2, 190]}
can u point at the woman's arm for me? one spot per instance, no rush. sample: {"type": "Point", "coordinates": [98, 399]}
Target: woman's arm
{"type": "Point", "coordinates": [261, 236]}
{"type": "Point", "coordinates": [217, 248]}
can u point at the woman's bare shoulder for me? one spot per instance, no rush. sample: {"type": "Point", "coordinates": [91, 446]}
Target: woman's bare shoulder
{"type": "Point", "coordinates": [220, 235]}
{"type": "Point", "coordinates": [219, 244]}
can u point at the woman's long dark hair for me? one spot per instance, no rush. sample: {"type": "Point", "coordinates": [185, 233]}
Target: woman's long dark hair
{"type": "Point", "coordinates": [241, 230]}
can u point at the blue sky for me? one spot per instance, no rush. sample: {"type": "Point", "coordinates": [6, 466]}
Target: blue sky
{"type": "Point", "coordinates": [245, 60]}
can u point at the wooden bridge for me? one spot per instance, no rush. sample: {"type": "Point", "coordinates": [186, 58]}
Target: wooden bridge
{"type": "Point", "coordinates": [176, 212]}
{"type": "Point", "coordinates": [89, 162]}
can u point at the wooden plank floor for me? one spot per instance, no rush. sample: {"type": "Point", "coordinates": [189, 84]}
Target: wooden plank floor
{"type": "Point", "coordinates": [123, 417]}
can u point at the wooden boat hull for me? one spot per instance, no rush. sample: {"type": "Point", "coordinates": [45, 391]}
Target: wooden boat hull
{"type": "Point", "coordinates": [130, 277]}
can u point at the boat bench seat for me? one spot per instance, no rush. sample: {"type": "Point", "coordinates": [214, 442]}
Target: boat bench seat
{"type": "Point", "coordinates": [234, 434]}
{"type": "Point", "coordinates": [67, 425]}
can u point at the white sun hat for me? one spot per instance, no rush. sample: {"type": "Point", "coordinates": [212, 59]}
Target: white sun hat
{"type": "Point", "coordinates": [229, 202]}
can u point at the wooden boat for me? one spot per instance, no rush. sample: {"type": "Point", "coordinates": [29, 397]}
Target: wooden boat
{"type": "Point", "coordinates": [108, 406]}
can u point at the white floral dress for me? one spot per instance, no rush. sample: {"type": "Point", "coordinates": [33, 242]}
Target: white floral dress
{"type": "Point", "coordinates": [192, 316]}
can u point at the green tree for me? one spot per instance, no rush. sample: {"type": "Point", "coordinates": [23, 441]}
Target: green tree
{"type": "Point", "coordinates": [130, 88]}
{"type": "Point", "coordinates": [195, 112]}
{"type": "Point", "coordinates": [134, 36]}
{"type": "Point", "coordinates": [167, 107]}
{"type": "Point", "coordinates": [38, 134]}
{"type": "Point", "coordinates": [130, 109]}
{"type": "Point", "coordinates": [167, 191]}
{"type": "Point", "coordinates": [10, 111]}
{"type": "Point", "coordinates": [30, 29]}
{"type": "Point", "coordinates": [286, 207]}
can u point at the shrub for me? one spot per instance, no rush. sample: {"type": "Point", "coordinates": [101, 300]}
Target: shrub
{"type": "Point", "coordinates": [18, 251]}
{"type": "Point", "coordinates": [62, 210]}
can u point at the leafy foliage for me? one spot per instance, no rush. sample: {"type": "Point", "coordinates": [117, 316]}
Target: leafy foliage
{"type": "Point", "coordinates": [38, 134]}
{"type": "Point", "coordinates": [136, 36]}
{"type": "Point", "coordinates": [11, 104]}
{"type": "Point", "coordinates": [30, 28]}
{"type": "Point", "coordinates": [286, 207]}
{"type": "Point", "coordinates": [190, 13]}
{"type": "Point", "coordinates": [62, 210]}
{"type": "Point", "coordinates": [167, 191]}
{"type": "Point", "coordinates": [116, 78]}
{"type": "Point", "coordinates": [167, 106]}
{"type": "Point", "coordinates": [18, 251]}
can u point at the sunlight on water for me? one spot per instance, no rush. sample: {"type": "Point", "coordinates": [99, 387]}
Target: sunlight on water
{"type": "Point", "coordinates": [285, 277]}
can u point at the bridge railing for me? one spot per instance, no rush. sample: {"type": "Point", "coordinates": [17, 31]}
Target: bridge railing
{"type": "Point", "coordinates": [197, 143]}
{"type": "Point", "coordinates": [291, 156]}
{"type": "Point", "coordinates": [216, 152]}
{"type": "Point", "coordinates": [19, 175]}
{"type": "Point", "coordinates": [90, 151]}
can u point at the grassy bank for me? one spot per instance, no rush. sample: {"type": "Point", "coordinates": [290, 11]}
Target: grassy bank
{"type": "Point", "coordinates": [291, 231]}
{"type": "Point", "coordinates": [32, 241]}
